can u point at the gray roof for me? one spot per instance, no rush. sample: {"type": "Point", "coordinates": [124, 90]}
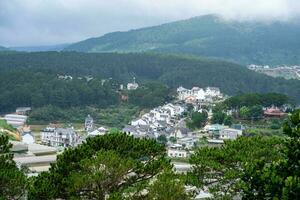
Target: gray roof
{"type": "Point", "coordinates": [144, 127]}
{"type": "Point", "coordinates": [129, 128]}
{"type": "Point", "coordinates": [25, 133]}
{"type": "Point", "coordinates": [170, 130]}
{"type": "Point", "coordinates": [162, 123]}
{"type": "Point", "coordinates": [184, 131]}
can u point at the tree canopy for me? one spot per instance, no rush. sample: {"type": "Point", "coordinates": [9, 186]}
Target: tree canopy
{"type": "Point", "coordinates": [31, 79]}
{"type": "Point", "coordinates": [279, 179]}
{"type": "Point", "coordinates": [221, 168]}
{"type": "Point", "coordinates": [197, 120]}
{"type": "Point", "coordinates": [255, 99]}
{"type": "Point", "coordinates": [12, 180]}
{"type": "Point", "coordinates": [115, 165]}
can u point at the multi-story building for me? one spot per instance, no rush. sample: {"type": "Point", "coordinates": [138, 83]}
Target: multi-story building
{"type": "Point", "coordinates": [15, 120]}
{"type": "Point", "coordinates": [230, 134]}
{"type": "Point", "coordinates": [59, 137]}
{"type": "Point", "coordinates": [89, 124]}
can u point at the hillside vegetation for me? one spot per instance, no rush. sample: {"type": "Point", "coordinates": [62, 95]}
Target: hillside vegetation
{"type": "Point", "coordinates": [31, 79]}
{"type": "Point", "coordinates": [274, 43]}
{"type": "Point", "coordinates": [3, 48]}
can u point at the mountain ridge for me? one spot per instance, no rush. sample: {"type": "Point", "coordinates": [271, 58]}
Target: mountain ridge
{"type": "Point", "coordinates": [2, 48]}
{"type": "Point", "coordinates": [272, 43]}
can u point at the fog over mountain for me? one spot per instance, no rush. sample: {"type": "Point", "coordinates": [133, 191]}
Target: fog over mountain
{"type": "Point", "coordinates": [48, 22]}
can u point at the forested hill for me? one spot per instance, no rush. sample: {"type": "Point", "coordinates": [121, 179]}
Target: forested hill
{"type": "Point", "coordinates": [242, 42]}
{"type": "Point", "coordinates": [32, 77]}
{"type": "Point", "coordinates": [3, 48]}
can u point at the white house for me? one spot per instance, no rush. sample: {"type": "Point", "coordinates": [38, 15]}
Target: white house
{"type": "Point", "coordinates": [213, 91]}
{"type": "Point", "coordinates": [180, 132]}
{"type": "Point", "coordinates": [98, 131]}
{"type": "Point", "coordinates": [27, 136]}
{"type": "Point", "coordinates": [132, 86]}
{"type": "Point", "coordinates": [187, 142]}
{"type": "Point", "coordinates": [89, 123]}
{"type": "Point", "coordinates": [198, 94]}
{"type": "Point", "coordinates": [176, 151]}
{"type": "Point", "coordinates": [59, 137]}
{"type": "Point", "coordinates": [230, 134]}
{"type": "Point", "coordinates": [138, 122]}
{"type": "Point", "coordinates": [23, 110]}
{"type": "Point", "coordinates": [15, 120]}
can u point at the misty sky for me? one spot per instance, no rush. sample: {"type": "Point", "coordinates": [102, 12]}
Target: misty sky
{"type": "Point", "coordinates": [46, 22]}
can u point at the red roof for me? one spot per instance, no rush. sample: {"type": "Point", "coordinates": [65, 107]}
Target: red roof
{"type": "Point", "coordinates": [274, 112]}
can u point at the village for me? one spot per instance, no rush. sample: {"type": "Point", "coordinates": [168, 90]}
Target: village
{"type": "Point", "coordinates": [288, 72]}
{"type": "Point", "coordinates": [167, 124]}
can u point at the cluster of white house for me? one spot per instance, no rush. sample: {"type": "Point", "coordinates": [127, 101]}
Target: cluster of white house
{"type": "Point", "coordinates": [166, 121]}
{"type": "Point", "coordinates": [196, 94]}
{"type": "Point", "coordinates": [159, 121]}
{"type": "Point", "coordinates": [215, 133]}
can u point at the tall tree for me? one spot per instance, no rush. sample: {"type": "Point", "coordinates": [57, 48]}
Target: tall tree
{"type": "Point", "coordinates": [168, 186]}
{"type": "Point", "coordinates": [278, 179]}
{"type": "Point", "coordinates": [102, 166]}
{"type": "Point", "coordinates": [12, 180]}
{"type": "Point", "coordinates": [198, 120]}
{"type": "Point", "coordinates": [221, 168]}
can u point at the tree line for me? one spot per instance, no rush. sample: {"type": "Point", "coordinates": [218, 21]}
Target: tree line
{"type": "Point", "coordinates": [39, 89]}
{"type": "Point", "coordinates": [31, 78]}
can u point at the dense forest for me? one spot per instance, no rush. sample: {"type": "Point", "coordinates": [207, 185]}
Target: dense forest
{"type": "Point", "coordinates": [32, 79]}
{"type": "Point", "coordinates": [253, 99]}
{"type": "Point", "coordinates": [273, 43]}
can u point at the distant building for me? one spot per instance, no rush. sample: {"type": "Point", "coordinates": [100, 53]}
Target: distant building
{"type": "Point", "coordinates": [37, 158]}
{"type": "Point", "coordinates": [27, 136]}
{"type": "Point", "coordinates": [23, 110]}
{"type": "Point", "coordinates": [180, 132]}
{"type": "Point", "coordinates": [89, 123]}
{"type": "Point", "coordinates": [177, 151]}
{"type": "Point", "coordinates": [197, 94]}
{"type": "Point", "coordinates": [15, 120]}
{"type": "Point", "coordinates": [59, 137]}
{"type": "Point", "coordinates": [124, 98]}
{"type": "Point", "coordinates": [274, 112]}
{"type": "Point", "coordinates": [138, 122]}
{"type": "Point", "coordinates": [215, 141]}
{"type": "Point", "coordinates": [98, 131]}
{"type": "Point", "coordinates": [132, 86]}
{"type": "Point", "coordinates": [214, 128]}
{"type": "Point", "coordinates": [64, 77]}
{"type": "Point", "coordinates": [238, 127]}
{"type": "Point", "coordinates": [230, 134]}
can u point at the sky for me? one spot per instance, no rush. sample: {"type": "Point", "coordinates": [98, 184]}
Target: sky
{"type": "Point", "coordinates": [49, 22]}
